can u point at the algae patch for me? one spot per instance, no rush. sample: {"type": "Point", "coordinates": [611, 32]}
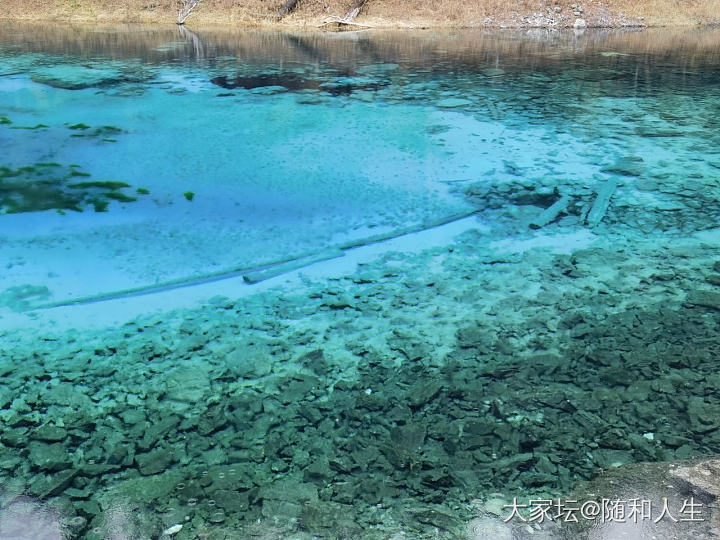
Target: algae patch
{"type": "Point", "coordinates": [105, 133]}
{"type": "Point", "coordinates": [49, 186]}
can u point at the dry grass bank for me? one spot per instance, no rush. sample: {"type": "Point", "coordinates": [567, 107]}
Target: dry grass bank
{"type": "Point", "coordinates": [384, 13]}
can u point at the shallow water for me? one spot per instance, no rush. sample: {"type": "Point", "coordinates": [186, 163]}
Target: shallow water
{"type": "Point", "coordinates": [396, 380]}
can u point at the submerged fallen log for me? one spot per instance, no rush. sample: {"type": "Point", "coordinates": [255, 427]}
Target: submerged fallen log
{"type": "Point", "coordinates": [601, 204]}
{"type": "Point", "coordinates": [550, 214]}
{"type": "Point", "coordinates": [256, 274]}
{"type": "Point", "coordinates": [274, 271]}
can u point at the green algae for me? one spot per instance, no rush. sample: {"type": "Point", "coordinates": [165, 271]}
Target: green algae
{"type": "Point", "coordinates": [4, 120]}
{"type": "Point", "coordinates": [105, 133]}
{"type": "Point", "coordinates": [47, 186]}
{"type": "Point", "coordinates": [37, 126]}
{"type": "Point", "coordinates": [120, 197]}
{"type": "Point", "coordinates": [142, 191]}
{"type": "Point", "coordinates": [103, 184]}
{"type": "Point", "coordinates": [100, 205]}
{"type": "Point", "coordinates": [189, 195]}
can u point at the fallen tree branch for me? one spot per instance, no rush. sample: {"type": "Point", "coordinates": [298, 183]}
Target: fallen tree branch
{"type": "Point", "coordinates": [186, 10]}
{"type": "Point", "coordinates": [349, 17]}
{"type": "Point", "coordinates": [338, 20]}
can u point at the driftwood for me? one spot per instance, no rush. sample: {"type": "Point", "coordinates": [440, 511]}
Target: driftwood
{"type": "Point", "coordinates": [600, 206]}
{"type": "Point", "coordinates": [349, 17]}
{"type": "Point", "coordinates": [288, 6]}
{"type": "Point", "coordinates": [550, 214]}
{"type": "Point", "coordinates": [186, 10]}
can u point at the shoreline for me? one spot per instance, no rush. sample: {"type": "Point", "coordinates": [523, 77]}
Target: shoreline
{"type": "Point", "coordinates": [442, 14]}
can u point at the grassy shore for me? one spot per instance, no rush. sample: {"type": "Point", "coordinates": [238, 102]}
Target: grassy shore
{"type": "Point", "coordinates": [378, 13]}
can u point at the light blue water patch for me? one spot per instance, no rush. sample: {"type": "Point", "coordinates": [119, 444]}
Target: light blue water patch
{"type": "Point", "coordinates": [557, 317]}
{"type": "Point", "coordinates": [240, 160]}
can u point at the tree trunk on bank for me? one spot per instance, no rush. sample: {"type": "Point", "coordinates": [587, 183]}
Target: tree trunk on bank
{"type": "Point", "coordinates": [287, 8]}
{"type": "Point", "coordinates": [186, 10]}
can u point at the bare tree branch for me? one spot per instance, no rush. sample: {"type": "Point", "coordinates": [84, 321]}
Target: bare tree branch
{"type": "Point", "coordinates": [354, 10]}
{"type": "Point", "coordinates": [186, 10]}
{"type": "Point", "coordinates": [349, 17]}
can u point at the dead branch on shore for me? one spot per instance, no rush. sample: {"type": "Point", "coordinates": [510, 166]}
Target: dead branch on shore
{"type": "Point", "coordinates": [186, 10]}
{"type": "Point", "coordinates": [349, 18]}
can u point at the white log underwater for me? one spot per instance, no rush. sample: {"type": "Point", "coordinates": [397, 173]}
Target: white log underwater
{"type": "Point", "coordinates": [551, 213]}
{"type": "Point", "coordinates": [601, 204]}
{"type": "Point", "coordinates": [258, 273]}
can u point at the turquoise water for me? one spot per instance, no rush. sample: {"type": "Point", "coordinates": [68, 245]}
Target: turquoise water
{"type": "Point", "coordinates": [367, 285]}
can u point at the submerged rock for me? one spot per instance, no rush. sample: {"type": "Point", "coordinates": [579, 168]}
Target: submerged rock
{"type": "Point", "coordinates": [23, 297]}
{"type": "Point", "coordinates": [451, 103]}
{"type": "Point", "coordinates": [82, 76]}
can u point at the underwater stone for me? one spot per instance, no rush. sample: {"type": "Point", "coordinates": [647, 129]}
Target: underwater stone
{"type": "Point", "coordinates": [49, 457]}
{"type": "Point", "coordinates": [289, 490]}
{"type": "Point", "coordinates": [451, 103]}
{"type": "Point", "coordinates": [626, 166]}
{"type": "Point", "coordinates": [330, 515]}
{"type": "Point", "coordinates": [709, 299]}
{"type": "Point", "coordinates": [438, 517]}
{"type": "Point", "coordinates": [79, 77]}
{"type": "Point", "coordinates": [422, 391]}
{"type": "Point", "coordinates": [611, 458]}
{"type": "Point", "coordinates": [98, 469]}
{"type": "Point", "coordinates": [52, 485]}
{"type": "Point", "coordinates": [22, 297]}
{"type": "Point", "coordinates": [319, 469]}
{"type": "Point", "coordinates": [156, 431]}
{"type": "Point", "coordinates": [144, 489]}
{"type": "Point", "coordinates": [49, 433]}
{"type": "Point", "coordinates": [279, 510]}
{"type": "Point", "coordinates": [231, 501]}
{"type": "Point", "coordinates": [67, 395]}
{"type": "Point", "coordinates": [188, 384]}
